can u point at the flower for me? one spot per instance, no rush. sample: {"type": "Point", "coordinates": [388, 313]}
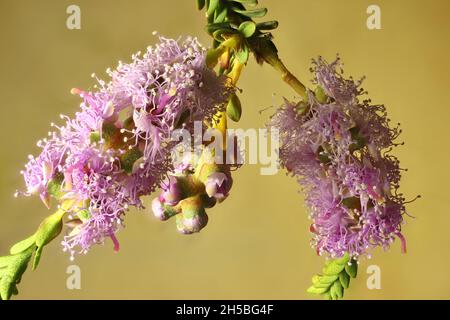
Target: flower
{"type": "Point", "coordinates": [339, 149]}
{"type": "Point", "coordinates": [117, 147]}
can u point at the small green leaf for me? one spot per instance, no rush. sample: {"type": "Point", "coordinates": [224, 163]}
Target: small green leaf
{"type": "Point", "coordinates": [344, 278]}
{"type": "Point", "coordinates": [316, 279]}
{"type": "Point", "coordinates": [333, 268]}
{"type": "Point", "coordinates": [16, 267]}
{"type": "Point", "coordinates": [84, 215]}
{"type": "Point", "coordinates": [234, 108]}
{"type": "Point", "coordinates": [315, 290]}
{"type": "Point", "coordinates": [352, 269]}
{"type": "Point", "coordinates": [337, 290]}
{"type": "Point", "coordinates": [255, 13]}
{"type": "Point", "coordinates": [212, 6]}
{"type": "Point", "coordinates": [220, 16]}
{"type": "Point", "coordinates": [54, 188]}
{"type": "Point", "coordinates": [243, 54]}
{"type": "Point", "coordinates": [268, 25]}
{"type": "Point", "coordinates": [247, 28]}
{"type": "Point", "coordinates": [327, 296]}
{"type": "Point", "coordinates": [94, 137]}
{"type": "Point", "coordinates": [320, 94]}
{"type": "Point", "coordinates": [109, 130]}
{"type": "Point", "coordinates": [333, 294]}
{"type": "Point", "coordinates": [212, 58]}
{"type": "Point", "coordinates": [200, 4]}
{"type": "Point", "coordinates": [218, 34]}
{"type": "Point", "coordinates": [327, 280]}
{"type": "Point", "coordinates": [128, 158]}
{"type": "Point", "coordinates": [212, 27]}
{"type": "Point", "coordinates": [49, 229]}
{"type": "Point", "coordinates": [22, 245]}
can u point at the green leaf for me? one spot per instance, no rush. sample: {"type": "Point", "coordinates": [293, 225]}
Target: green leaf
{"type": "Point", "coordinates": [23, 245]}
{"type": "Point", "coordinates": [94, 137]}
{"type": "Point", "coordinates": [316, 279]}
{"type": "Point", "coordinates": [344, 278]}
{"type": "Point", "coordinates": [212, 57]}
{"type": "Point", "coordinates": [218, 34]}
{"type": "Point", "coordinates": [234, 108]}
{"type": "Point", "coordinates": [327, 280]}
{"type": "Point", "coordinates": [49, 229]}
{"type": "Point", "coordinates": [220, 15]}
{"type": "Point", "coordinates": [315, 290]}
{"type": "Point", "coordinates": [12, 275]}
{"type": "Point", "coordinates": [327, 296]}
{"type": "Point", "coordinates": [255, 13]}
{"type": "Point", "coordinates": [128, 158]}
{"type": "Point", "coordinates": [109, 131]}
{"type": "Point", "coordinates": [247, 28]}
{"type": "Point", "coordinates": [200, 4]}
{"type": "Point", "coordinates": [242, 54]}
{"type": "Point", "coordinates": [333, 268]}
{"type": "Point", "coordinates": [212, 27]}
{"type": "Point", "coordinates": [54, 188]}
{"type": "Point", "coordinates": [352, 269]}
{"type": "Point", "coordinates": [84, 215]}
{"type": "Point", "coordinates": [212, 6]}
{"type": "Point", "coordinates": [268, 25]}
{"type": "Point", "coordinates": [320, 94]}
{"type": "Point", "coordinates": [337, 290]}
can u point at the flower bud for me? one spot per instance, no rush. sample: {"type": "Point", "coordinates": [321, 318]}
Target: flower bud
{"type": "Point", "coordinates": [189, 225]}
{"type": "Point", "coordinates": [218, 185]}
{"type": "Point", "coordinates": [161, 210]}
{"type": "Point", "coordinates": [193, 217]}
{"type": "Point", "coordinates": [172, 193]}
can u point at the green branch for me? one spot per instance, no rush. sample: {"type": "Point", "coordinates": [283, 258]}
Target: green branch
{"type": "Point", "coordinates": [16, 263]}
{"type": "Point", "coordinates": [233, 18]}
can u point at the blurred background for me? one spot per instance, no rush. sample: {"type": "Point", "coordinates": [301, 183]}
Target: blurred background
{"type": "Point", "coordinates": [256, 245]}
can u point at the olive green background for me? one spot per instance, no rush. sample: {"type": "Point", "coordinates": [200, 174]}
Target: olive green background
{"type": "Point", "coordinates": [256, 245]}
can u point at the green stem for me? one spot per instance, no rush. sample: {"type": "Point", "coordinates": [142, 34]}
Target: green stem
{"type": "Point", "coordinates": [288, 77]}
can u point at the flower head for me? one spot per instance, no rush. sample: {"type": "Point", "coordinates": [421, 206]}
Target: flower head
{"type": "Point", "coordinates": [117, 147]}
{"type": "Point", "coordinates": [338, 148]}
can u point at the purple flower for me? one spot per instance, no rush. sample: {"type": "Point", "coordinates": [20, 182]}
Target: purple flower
{"type": "Point", "coordinates": [338, 148]}
{"type": "Point", "coordinates": [117, 147]}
